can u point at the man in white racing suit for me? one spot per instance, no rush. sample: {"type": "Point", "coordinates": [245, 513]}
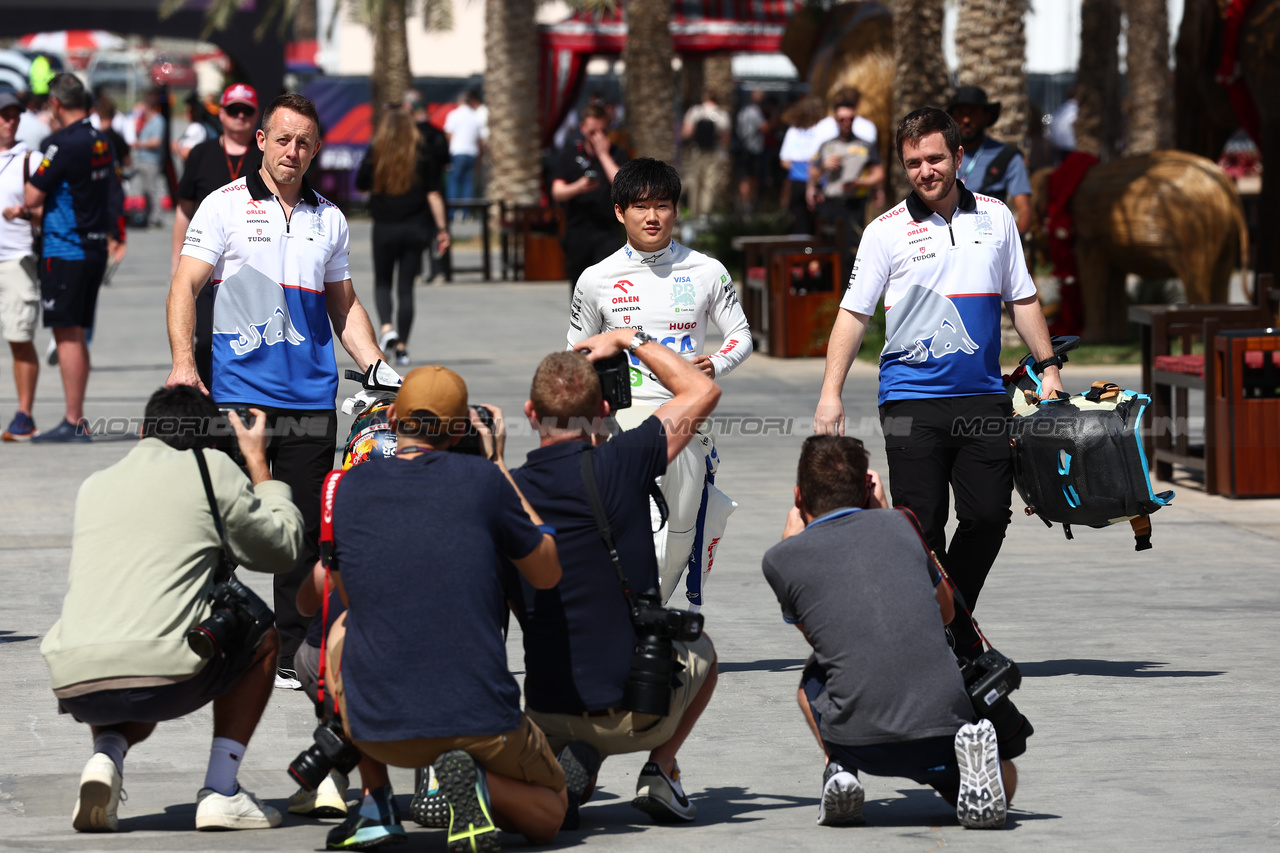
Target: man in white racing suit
{"type": "Point", "coordinates": [668, 292]}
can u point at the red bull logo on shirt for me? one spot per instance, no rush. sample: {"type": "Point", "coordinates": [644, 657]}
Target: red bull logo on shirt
{"type": "Point", "coordinates": [277, 329]}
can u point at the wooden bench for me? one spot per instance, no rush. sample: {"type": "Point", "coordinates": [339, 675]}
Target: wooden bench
{"type": "Point", "coordinates": [1170, 370]}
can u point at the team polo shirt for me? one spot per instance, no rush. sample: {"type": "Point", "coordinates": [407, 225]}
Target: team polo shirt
{"type": "Point", "coordinates": [75, 175]}
{"type": "Point", "coordinates": [944, 285]}
{"type": "Point", "coordinates": [272, 342]}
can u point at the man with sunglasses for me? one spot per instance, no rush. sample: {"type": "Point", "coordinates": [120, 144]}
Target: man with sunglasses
{"type": "Point", "coordinates": [211, 165]}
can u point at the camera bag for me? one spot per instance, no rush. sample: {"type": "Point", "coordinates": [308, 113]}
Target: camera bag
{"type": "Point", "coordinates": [1079, 459]}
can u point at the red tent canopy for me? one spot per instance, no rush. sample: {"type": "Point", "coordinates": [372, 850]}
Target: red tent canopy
{"type": "Point", "coordinates": [697, 26]}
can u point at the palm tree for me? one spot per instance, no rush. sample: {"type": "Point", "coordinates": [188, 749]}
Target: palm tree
{"type": "Point", "coordinates": [992, 48]}
{"type": "Point", "coordinates": [1098, 78]}
{"type": "Point", "coordinates": [920, 79]}
{"type": "Point", "coordinates": [1147, 104]}
{"type": "Point", "coordinates": [511, 90]}
{"type": "Point", "coordinates": [649, 81]}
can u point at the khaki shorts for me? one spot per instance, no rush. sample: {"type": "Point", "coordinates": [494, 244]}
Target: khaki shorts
{"type": "Point", "coordinates": [618, 732]}
{"type": "Point", "coordinates": [521, 753]}
{"type": "Point", "coordinates": [19, 302]}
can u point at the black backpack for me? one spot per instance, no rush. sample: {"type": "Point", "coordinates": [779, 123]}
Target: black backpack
{"type": "Point", "coordinates": [706, 134]}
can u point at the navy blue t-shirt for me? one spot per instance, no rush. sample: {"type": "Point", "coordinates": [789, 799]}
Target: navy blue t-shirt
{"type": "Point", "coordinates": [76, 176]}
{"type": "Point", "coordinates": [578, 637]}
{"type": "Point", "coordinates": [420, 543]}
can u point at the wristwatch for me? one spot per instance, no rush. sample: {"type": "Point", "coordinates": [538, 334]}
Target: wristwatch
{"type": "Point", "coordinates": [642, 337]}
{"type": "Point", "coordinates": [1051, 361]}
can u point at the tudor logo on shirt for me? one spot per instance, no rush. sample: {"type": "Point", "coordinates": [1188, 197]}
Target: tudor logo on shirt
{"type": "Point", "coordinates": [626, 318]}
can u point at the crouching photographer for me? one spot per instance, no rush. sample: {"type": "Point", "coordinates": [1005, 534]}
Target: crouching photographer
{"type": "Point", "coordinates": [882, 691]}
{"type": "Point", "coordinates": [418, 664]}
{"type": "Point", "coordinates": [608, 670]}
{"type": "Point", "coordinates": [154, 625]}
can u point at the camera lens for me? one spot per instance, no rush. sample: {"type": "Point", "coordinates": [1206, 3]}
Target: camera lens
{"type": "Point", "coordinates": [210, 636]}
{"type": "Point", "coordinates": [648, 687]}
{"type": "Point", "coordinates": [310, 768]}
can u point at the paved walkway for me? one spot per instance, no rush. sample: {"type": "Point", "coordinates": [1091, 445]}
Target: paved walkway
{"type": "Point", "coordinates": [1151, 678]}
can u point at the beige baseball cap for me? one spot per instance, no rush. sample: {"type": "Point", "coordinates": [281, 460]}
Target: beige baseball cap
{"type": "Point", "coordinates": [433, 389]}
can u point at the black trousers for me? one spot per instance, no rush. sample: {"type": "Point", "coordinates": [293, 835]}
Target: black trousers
{"type": "Point", "coordinates": [961, 444]}
{"type": "Point", "coordinates": [300, 453]}
{"type": "Point", "coordinates": [397, 254]}
{"type": "Point", "coordinates": [583, 249]}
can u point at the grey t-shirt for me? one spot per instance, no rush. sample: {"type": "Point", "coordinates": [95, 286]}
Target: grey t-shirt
{"type": "Point", "coordinates": [862, 586]}
{"type": "Point", "coordinates": [855, 156]}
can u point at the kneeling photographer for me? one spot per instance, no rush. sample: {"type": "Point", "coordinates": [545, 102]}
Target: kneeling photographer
{"type": "Point", "coordinates": [882, 691]}
{"type": "Point", "coordinates": [418, 663]}
{"type": "Point", "coordinates": [154, 625]}
{"type": "Point", "coordinates": [608, 669]}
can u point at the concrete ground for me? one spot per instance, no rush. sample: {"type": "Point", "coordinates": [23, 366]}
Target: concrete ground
{"type": "Point", "coordinates": [1151, 677]}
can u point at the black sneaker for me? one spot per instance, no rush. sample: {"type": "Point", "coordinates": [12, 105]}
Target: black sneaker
{"type": "Point", "coordinates": [429, 807]}
{"type": "Point", "coordinates": [362, 831]}
{"type": "Point", "coordinates": [64, 433]}
{"type": "Point", "coordinates": [581, 761]}
{"type": "Point", "coordinates": [471, 826]}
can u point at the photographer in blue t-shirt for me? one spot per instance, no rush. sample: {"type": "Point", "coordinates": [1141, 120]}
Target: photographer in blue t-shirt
{"type": "Point", "coordinates": [579, 636]}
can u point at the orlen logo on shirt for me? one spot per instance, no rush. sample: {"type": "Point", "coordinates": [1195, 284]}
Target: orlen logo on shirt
{"type": "Point", "coordinates": [917, 231]}
{"type": "Point", "coordinates": [622, 285]}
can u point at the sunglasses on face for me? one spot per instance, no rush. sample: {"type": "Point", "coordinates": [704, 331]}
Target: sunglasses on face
{"type": "Point", "coordinates": [239, 111]}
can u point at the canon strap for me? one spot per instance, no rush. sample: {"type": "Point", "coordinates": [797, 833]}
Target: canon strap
{"type": "Point", "coordinates": [327, 493]}
{"type": "Point", "coordinates": [225, 568]}
{"type": "Point", "coordinates": [602, 521]}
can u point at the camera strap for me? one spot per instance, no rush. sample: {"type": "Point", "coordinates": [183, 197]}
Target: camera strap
{"type": "Point", "coordinates": [225, 569]}
{"type": "Point", "coordinates": [956, 595]}
{"type": "Point", "coordinates": [602, 521]}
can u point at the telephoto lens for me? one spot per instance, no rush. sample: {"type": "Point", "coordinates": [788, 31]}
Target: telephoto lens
{"type": "Point", "coordinates": [648, 687]}
{"type": "Point", "coordinates": [329, 752]}
{"type": "Point", "coordinates": [214, 634]}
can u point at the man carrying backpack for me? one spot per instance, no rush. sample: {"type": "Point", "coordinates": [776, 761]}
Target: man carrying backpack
{"type": "Point", "coordinates": [706, 154]}
{"type": "Point", "coordinates": [990, 168]}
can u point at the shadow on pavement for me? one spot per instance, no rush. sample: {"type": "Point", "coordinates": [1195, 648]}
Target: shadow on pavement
{"type": "Point", "coordinates": [1110, 668]}
{"type": "Point", "coordinates": [10, 637]}
{"type": "Point", "coordinates": [923, 807]}
{"type": "Point", "coordinates": [775, 665]}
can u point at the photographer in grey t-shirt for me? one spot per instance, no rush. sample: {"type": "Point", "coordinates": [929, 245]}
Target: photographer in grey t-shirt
{"type": "Point", "coordinates": [882, 691]}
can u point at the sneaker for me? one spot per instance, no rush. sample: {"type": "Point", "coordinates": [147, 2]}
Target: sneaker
{"type": "Point", "coordinates": [581, 761]}
{"type": "Point", "coordinates": [21, 428]}
{"type": "Point", "coordinates": [981, 803]}
{"type": "Point", "coordinates": [327, 801]}
{"type": "Point", "coordinates": [287, 679]}
{"type": "Point", "coordinates": [364, 831]}
{"type": "Point", "coordinates": [842, 797]}
{"type": "Point", "coordinates": [387, 340]}
{"type": "Point", "coordinates": [99, 797]}
{"type": "Point", "coordinates": [241, 811]}
{"type": "Point", "coordinates": [661, 797]}
{"type": "Point", "coordinates": [51, 353]}
{"type": "Point", "coordinates": [471, 827]}
{"type": "Point", "coordinates": [402, 358]}
{"type": "Point", "coordinates": [429, 807]}
{"type": "Point", "coordinates": [64, 433]}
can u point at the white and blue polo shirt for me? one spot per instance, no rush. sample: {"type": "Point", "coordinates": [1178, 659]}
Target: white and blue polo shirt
{"type": "Point", "coordinates": [944, 285]}
{"type": "Point", "coordinates": [272, 342]}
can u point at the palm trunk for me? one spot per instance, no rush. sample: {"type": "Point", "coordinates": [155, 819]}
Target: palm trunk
{"type": "Point", "coordinates": [1147, 105]}
{"type": "Point", "coordinates": [649, 82]}
{"type": "Point", "coordinates": [921, 72]}
{"type": "Point", "coordinates": [511, 90]}
{"type": "Point", "coordinates": [994, 50]}
{"type": "Point", "coordinates": [391, 77]}
{"type": "Point", "coordinates": [1098, 78]}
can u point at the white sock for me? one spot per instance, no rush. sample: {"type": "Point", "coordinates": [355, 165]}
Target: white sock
{"type": "Point", "coordinates": [114, 746]}
{"type": "Point", "coordinates": [224, 764]}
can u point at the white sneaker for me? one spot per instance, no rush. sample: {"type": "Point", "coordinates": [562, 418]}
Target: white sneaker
{"type": "Point", "coordinates": [387, 341]}
{"type": "Point", "coordinates": [241, 811]}
{"type": "Point", "coordinates": [329, 800]}
{"type": "Point", "coordinates": [662, 797]}
{"type": "Point", "coordinates": [287, 679]}
{"type": "Point", "coordinates": [842, 797]}
{"type": "Point", "coordinates": [99, 797]}
{"type": "Point", "coordinates": [981, 803]}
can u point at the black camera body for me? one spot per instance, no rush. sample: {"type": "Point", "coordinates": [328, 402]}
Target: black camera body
{"type": "Point", "coordinates": [470, 443]}
{"type": "Point", "coordinates": [239, 622]}
{"type": "Point", "coordinates": [648, 687]}
{"type": "Point", "coordinates": [988, 679]}
{"type": "Point", "coordinates": [615, 381]}
{"type": "Point", "coordinates": [330, 751]}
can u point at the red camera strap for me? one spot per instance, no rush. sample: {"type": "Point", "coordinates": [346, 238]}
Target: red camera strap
{"type": "Point", "coordinates": [327, 493]}
{"type": "Point", "coordinates": [957, 596]}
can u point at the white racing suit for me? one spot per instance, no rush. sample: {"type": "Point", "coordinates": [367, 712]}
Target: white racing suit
{"type": "Point", "coordinates": [673, 295]}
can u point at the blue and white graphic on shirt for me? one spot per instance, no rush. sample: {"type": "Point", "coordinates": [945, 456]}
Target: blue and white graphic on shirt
{"type": "Point", "coordinates": [259, 331]}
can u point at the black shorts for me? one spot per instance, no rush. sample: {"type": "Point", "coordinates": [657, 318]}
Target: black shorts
{"type": "Point", "coordinates": [69, 290]}
{"type": "Point", "coordinates": [158, 704]}
{"type": "Point", "coordinates": [929, 761]}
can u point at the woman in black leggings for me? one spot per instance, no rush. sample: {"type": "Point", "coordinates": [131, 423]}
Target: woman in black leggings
{"type": "Point", "coordinates": [407, 207]}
